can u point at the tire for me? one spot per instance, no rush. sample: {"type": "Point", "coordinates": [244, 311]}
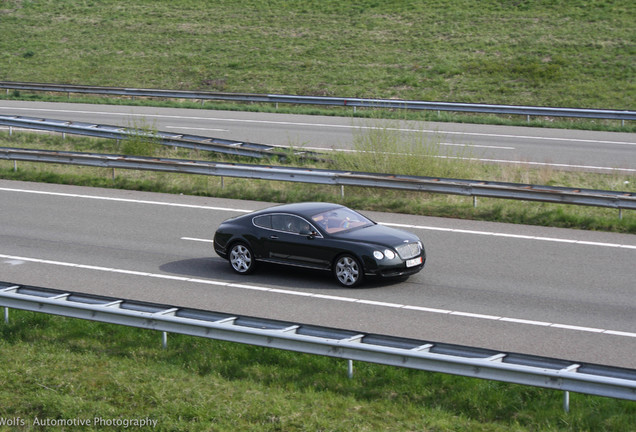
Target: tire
{"type": "Point", "coordinates": [348, 271]}
{"type": "Point", "coordinates": [241, 258]}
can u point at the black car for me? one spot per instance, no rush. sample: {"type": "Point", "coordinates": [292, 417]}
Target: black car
{"type": "Point", "coordinates": [319, 236]}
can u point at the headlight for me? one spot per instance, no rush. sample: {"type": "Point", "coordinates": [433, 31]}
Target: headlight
{"type": "Point", "coordinates": [389, 253]}
{"type": "Point", "coordinates": [378, 255]}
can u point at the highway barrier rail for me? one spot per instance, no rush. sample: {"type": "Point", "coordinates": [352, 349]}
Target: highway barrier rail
{"type": "Point", "coordinates": [475, 188]}
{"type": "Point", "coordinates": [218, 145]}
{"type": "Point", "coordinates": [326, 101]}
{"type": "Point", "coordinates": [351, 345]}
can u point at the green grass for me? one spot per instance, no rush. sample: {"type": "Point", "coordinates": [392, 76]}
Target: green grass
{"type": "Point", "coordinates": [59, 368]}
{"type": "Point", "coordinates": [548, 53]}
{"type": "Point", "coordinates": [517, 52]}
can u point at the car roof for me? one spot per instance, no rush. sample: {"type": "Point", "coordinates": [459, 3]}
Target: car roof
{"type": "Point", "coordinates": [306, 209]}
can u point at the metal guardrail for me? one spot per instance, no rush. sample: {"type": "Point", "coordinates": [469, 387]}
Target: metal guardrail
{"type": "Point", "coordinates": [345, 344]}
{"type": "Point", "coordinates": [218, 145]}
{"type": "Point", "coordinates": [474, 188]}
{"type": "Point", "coordinates": [331, 101]}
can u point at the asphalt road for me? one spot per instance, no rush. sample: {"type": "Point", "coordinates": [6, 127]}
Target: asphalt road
{"type": "Point", "coordinates": [549, 148]}
{"type": "Point", "coordinates": [553, 292]}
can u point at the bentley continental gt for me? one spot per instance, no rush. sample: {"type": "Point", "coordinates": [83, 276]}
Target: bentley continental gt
{"type": "Point", "coordinates": [320, 236]}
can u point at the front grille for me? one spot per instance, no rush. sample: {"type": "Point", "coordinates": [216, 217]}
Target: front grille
{"type": "Point", "coordinates": [408, 250]}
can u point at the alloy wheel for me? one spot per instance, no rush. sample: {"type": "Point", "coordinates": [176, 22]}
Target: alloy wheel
{"type": "Point", "coordinates": [348, 271]}
{"type": "Point", "coordinates": [241, 259]}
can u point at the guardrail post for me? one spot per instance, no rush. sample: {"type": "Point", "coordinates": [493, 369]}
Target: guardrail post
{"type": "Point", "coordinates": [620, 214]}
{"type": "Point", "coordinates": [566, 401]}
{"type": "Point", "coordinates": [6, 315]}
{"type": "Point", "coordinates": [474, 201]}
{"type": "Point", "coordinates": [341, 191]}
{"type": "Point", "coordinates": [350, 369]}
{"type": "Point", "coordinates": [164, 340]}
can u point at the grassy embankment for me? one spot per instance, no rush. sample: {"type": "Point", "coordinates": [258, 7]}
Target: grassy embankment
{"type": "Point", "coordinates": [548, 53]}
{"type": "Point", "coordinates": [57, 368]}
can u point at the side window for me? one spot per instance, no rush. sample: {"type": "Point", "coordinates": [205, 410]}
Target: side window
{"type": "Point", "coordinates": [292, 224]}
{"type": "Point", "coordinates": [263, 221]}
{"type": "Point", "coordinates": [278, 222]}
{"type": "Point", "coordinates": [305, 227]}
{"type": "Point", "coordinates": [299, 225]}
{"type": "Point", "coordinates": [289, 223]}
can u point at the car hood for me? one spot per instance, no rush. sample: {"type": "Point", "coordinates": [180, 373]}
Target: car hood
{"type": "Point", "coordinates": [378, 234]}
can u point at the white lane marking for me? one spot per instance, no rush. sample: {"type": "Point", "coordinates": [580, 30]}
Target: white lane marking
{"type": "Point", "coordinates": [325, 297]}
{"type": "Point", "coordinates": [197, 239]}
{"type": "Point", "coordinates": [304, 124]}
{"type": "Point", "coordinates": [546, 164]}
{"type": "Point", "coordinates": [95, 197]}
{"type": "Point", "coordinates": [517, 236]}
{"type": "Point", "coordinates": [197, 128]}
{"type": "Point", "coordinates": [229, 209]}
{"type": "Point", "coordinates": [524, 321]}
{"type": "Point", "coordinates": [486, 233]}
{"type": "Point", "coordinates": [333, 149]}
{"type": "Point", "coordinates": [478, 146]}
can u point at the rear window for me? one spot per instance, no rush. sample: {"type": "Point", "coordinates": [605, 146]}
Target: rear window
{"type": "Point", "coordinates": [263, 221]}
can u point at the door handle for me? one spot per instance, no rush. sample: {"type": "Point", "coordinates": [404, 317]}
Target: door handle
{"type": "Point", "coordinates": [273, 237]}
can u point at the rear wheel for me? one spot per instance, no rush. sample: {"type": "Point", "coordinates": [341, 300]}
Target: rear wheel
{"type": "Point", "coordinates": [241, 258]}
{"type": "Point", "coordinates": [348, 271]}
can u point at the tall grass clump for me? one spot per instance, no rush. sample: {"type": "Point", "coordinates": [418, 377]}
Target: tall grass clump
{"type": "Point", "coordinates": [392, 149]}
{"type": "Point", "coordinates": [142, 140]}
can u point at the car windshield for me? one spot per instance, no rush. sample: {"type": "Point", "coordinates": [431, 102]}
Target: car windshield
{"type": "Point", "coordinates": [340, 219]}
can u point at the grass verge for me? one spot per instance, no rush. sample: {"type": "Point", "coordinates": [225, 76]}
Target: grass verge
{"type": "Point", "coordinates": [381, 150]}
{"type": "Point", "coordinates": [61, 368]}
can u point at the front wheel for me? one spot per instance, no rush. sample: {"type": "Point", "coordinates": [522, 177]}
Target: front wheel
{"type": "Point", "coordinates": [348, 271]}
{"type": "Point", "coordinates": [242, 259]}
